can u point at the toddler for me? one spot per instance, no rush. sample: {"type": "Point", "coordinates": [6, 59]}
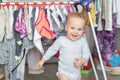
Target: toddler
{"type": "Point", "coordinates": [73, 48]}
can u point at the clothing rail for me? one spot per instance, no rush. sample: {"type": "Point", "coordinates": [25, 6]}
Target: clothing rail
{"type": "Point", "coordinates": [34, 3]}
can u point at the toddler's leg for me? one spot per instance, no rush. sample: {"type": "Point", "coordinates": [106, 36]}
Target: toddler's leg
{"type": "Point", "coordinates": [63, 77]}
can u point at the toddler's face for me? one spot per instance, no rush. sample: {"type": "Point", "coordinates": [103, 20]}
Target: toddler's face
{"type": "Point", "coordinates": [75, 28]}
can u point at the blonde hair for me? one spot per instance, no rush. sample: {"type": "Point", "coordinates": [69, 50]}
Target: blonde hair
{"type": "Point", "coordinates": [77, 14]}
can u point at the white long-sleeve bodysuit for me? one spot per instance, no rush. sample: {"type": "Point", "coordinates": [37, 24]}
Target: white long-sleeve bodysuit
{"type": "Point", "coordinates": [69, 50]}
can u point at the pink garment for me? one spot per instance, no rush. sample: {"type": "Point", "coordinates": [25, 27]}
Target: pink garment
{"type": "Point", "coordinates": [70, 8]}
{"type": "Point", "coordinates": [20, 25]}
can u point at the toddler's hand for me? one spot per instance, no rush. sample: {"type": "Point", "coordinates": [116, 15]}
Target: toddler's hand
{"type": "Point", "coordinates": [79, 62]}
{"type": "Point", "coordinates": [40, 63]}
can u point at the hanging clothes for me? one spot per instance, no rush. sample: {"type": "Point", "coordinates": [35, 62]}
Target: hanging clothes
{"type": "Point", "coordinates": [42, 25]}
{"type": "Point", "coordinates": [20, 25]}
{"type": "Point", "coordinates": [33, 57]}
{"type": "Point", "coordinates": [18, 40]}
{"type": "Point", "coordinates": [118, 13]}
{"type": "Point", "coordinates": [28, 16]}
{"type": "Point", "coordinates": [107, 40]}
{"type": "Point", "coordinates": [97, 6]}
{"type": "Point", "coordinates": [37, 37]}
{"type": "Point", "coordinates": [106, 14]}
{"type": "Point", "coordinates": [27, 44]}
{"type": "Point", "coordinates": [5, 29]}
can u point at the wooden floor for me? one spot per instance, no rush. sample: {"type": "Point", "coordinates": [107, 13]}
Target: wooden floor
{"type": "Point", "coordinates": [50, 74]}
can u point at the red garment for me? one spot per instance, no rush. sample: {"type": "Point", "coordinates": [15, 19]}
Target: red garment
{"type": "Point", "coordinates": [57, 54]}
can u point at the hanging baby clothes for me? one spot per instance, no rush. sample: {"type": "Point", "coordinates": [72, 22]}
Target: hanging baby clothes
{"type": "Point", "coordinates": [18, 40]}
{"type": "Point", "coordinates": [30, 27]}
{"type": "Point", "coordinates": [5, 29]}
{"type": "Point", "coordinates": [28, 15]}
{"type": "Point", "coordinates": [97, 6]}
{"type": "Point", "coordinates": [11, 18]}
{"type": "Point", "coordinates": [98, 12]}
{"type": "Point", "coordinates": [118, 12]}
{"type": "Point", "coordinates": [56, 18]}
{"type": "Point", "coordinates": [27, 44]}
{"type": "Point", "coordinates": [33, 58]}
{"type": "Point", "coordinates": [2, 23]}
{"type": "Point", "coordinates": [20, 30]}
{"type": "Point", "coordinates": [107, 40]}
{"type": "Point", "coordinates": [106, 13]}
{"type": "Point", "coordinates": [20, 26]}
{"type": "Point", "coordinates": [33, 55]}
{"type": "Point", "coordinates": [37, 37]}
{"type": "Point", "coordinates": [42, 25]}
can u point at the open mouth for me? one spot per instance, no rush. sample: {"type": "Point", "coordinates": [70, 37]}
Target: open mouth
{"type": "Point", "coordinates": [74, 35]}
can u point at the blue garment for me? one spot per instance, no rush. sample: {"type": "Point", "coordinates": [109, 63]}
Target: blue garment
{"type": "Point", "coordinates": [84, 3]}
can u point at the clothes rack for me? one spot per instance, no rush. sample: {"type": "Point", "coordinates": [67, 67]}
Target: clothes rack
{"type": "Point", "coordinates": [34, 3]}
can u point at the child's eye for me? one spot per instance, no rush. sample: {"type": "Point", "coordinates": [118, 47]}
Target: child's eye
{"type": "Point", "coordinates": [79, 29]}
{"type": "Point", "coordinates": [72, 27]}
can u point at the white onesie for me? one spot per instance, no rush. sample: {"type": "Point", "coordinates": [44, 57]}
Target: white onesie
{"type": "Point", "coordinates": [69, 50]}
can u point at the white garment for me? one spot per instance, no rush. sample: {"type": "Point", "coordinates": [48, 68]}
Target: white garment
{"type": "Point", "coordinates": [99, 28]}
{"type": "Point", "coordinates": [118, 13]}
{"type": "Point", "coordinates": [2, 23]}
{"type": "Point", "coordinates": [11, 18]}
{"type": "Point", "coordinates": [37, 37]}
{"type": "Point", "coordinates": [30, 36]}
{"type": "Point", "coordinates": [38, 42]}
{"type": "Point", "coordinates": [97, 6]}
{"type": "Point", "coordinates": [5, 28]}
{"type": "Point", "coordinates": [106, 13]}
{"type": "Point", "coordinates": [28, 22]}
{"type": "Point", "coordinates": [69, 50]}
{"type": "Point", "coordinates": [114, 6]}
